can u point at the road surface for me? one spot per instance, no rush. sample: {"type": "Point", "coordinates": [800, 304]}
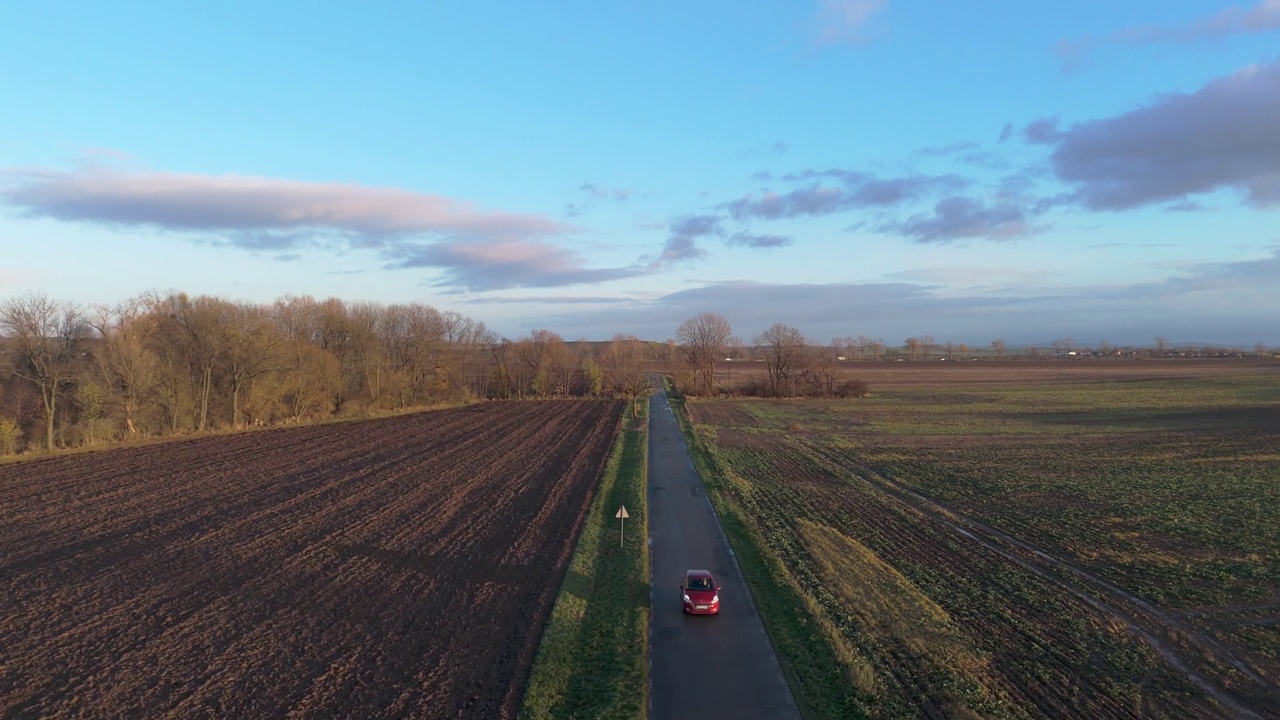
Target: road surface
{"type": "Point", "coordinates": [701, 666]}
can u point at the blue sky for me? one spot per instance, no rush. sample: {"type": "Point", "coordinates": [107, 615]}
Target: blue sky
{"type": "Point", "coordinates": [1025, 171]}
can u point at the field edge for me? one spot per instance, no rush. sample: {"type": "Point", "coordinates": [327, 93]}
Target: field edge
{"type": "Point", "coordinates": [592, 660]}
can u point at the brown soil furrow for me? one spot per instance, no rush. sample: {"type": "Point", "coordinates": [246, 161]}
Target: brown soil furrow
{"type": "Point", "coordinates": [356, 569]}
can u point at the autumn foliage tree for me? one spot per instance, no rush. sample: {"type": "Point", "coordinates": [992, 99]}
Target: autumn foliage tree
{"type": "Point", "coordinates": [168, 363]}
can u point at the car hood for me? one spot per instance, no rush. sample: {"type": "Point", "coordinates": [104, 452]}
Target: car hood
{"type": "Point", "coordinates": [700, 596]}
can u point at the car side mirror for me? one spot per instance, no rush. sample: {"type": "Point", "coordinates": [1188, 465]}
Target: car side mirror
{"type": "Point", "coordinates": [717, 588]}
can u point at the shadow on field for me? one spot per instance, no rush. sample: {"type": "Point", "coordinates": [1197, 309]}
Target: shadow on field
{"type": "Point", "coordinates": [609, 624]}
{"type": "Point", "coordinates": [577, 584]}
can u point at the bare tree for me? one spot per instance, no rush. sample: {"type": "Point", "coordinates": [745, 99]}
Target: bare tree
{"type": "Point", "coordinates": [124, 358]}
{"type": "Point", "coordinates": [913, 346]}
{"type": "Point", "coordinates": [999, 346]}
{"type": "Point", "coordinates": [561, 366]}
{"type": "Point", "coordinates": [703, 340]}
{"type": "Point", "coordinates": [48, 337]}
{"type": "Point", "coordinates": [311, 381]}
{"type": "Point", "coordinates": [784, 348]}
{"type": "Point", "coordinates": [876, 345]}
{"type": "Point", "coordinates": [927, 344]}
{"type": "Point", "coordinates": [200, 320]}
{"type": "Point", "coordinates": [964, 350]}
{"type": "Point", "coordinates": [950, 347]}
{"type": "Point", "coordinates": [736, 348]}
{"type": "Point", "coordinates": [826, 368]}
{"type": "Point", "coordinates": [1105, 348]}
{"type": "Point", "coordinates": [251, 349]}
{"type": "Point", "coordinates": [1162, 346]}
{"type": "Point", "coordinates": [864, 344]}
{"type": "Point", "coordinates": [624, 359]}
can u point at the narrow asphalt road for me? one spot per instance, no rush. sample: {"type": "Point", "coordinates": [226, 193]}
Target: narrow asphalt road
{"type": "Point", "coordinates": [701, 666]}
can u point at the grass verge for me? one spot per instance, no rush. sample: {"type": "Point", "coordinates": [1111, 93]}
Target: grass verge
{"type": "Point", "coordinates": [822, 673]}
{"type": "Point", "coordinates": [594, 657]}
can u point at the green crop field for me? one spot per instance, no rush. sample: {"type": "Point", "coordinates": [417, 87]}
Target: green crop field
{"type": "Point", "coordinates": [1051, 540]}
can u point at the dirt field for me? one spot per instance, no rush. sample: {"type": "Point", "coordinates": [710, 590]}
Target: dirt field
{"type": "Point", "coordinates": [390, 568]}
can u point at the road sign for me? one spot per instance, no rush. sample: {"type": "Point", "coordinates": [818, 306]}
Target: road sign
{"type": "Point", "coordinates": [622, 516]}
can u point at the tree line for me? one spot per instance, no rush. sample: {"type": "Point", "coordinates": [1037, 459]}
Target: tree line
{"type": "Point", "coordinates": [794, 365]}
{"type": "Point", "coordinates": [165, 364]}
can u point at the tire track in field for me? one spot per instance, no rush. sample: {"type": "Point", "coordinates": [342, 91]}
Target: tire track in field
{"type": "Point", "coordinates": [813, 491]}
{"type": "Point", "coordinates": [1145, 620]}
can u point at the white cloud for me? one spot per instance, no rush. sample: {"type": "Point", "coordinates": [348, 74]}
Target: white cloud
{"type": "Point", "coordinates": [175, 201]}
{"type": "Point", "coordinates": [475, 249]}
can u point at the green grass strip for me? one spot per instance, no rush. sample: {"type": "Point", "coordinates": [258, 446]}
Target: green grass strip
{"type": "Point", "coordinates": [594, 658]}
{"type": "Point", "coordinates": [819, 680]}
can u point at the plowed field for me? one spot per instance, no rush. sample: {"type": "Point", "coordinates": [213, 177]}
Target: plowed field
{"type": "Point", "coordinates": [401, 567]}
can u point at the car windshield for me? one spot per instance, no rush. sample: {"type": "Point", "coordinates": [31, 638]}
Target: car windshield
{"type": "Point", "coordinates": [700, 583]}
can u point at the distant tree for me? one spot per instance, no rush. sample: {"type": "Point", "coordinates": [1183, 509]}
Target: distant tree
{"type": "Point", "coordinates": [876, 346]}
{"type": "Point", "coordinates": [864, 344]}
{"type": "Point", "coordinates": [1259, 349]}
{"type": "Point", "coordinates": [734, 347]}
{"type": "Point", "coordinates": [999, 346]}
{"type": "Point", "coordinates": [251, 348]}
{"type": "Point", "coordinates": [124, 359]}
{"type": "Point", "coordinates": [783, 348]}
{"type": "Point", "coordinates": [1162, 346]}
{"type": "Point", "coordinates": [200, 320]}
{"type": "Point", "coordinates": [1105, 348]}
{"type": "Point", "coordinates": [593, 375]}
{"type": "Point", "coordinates": [825, 366]}
{"type": "Point", "coordinates": [950, 347]}
{"type": "Point", "coordinates": [48, 338]}
{"type": "Point", "coordinates": [624, 360]}
{"type": "Point", "coordinates": [703, 338]}
{"type": "Point", "coordinates": [10, 434]}
{"type": "Point", "coordinates": [310, 376]}
{"type": "Point", "coordinates": [501, 384]}
{"type": "Point", "coordinates": [912, 345]}
{"type": "Point", "coordinates": [368, 358]}
{"type": "Point", "coordinates": [964, 350]}
{"type": "Point", "coordinates": [91, 401]}
{"type": "Point", "coordinates": [927, 344]}
{"type": "Point", "coordinates": [736, 351]}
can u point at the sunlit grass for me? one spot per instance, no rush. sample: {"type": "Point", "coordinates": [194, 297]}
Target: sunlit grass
{"type": "Point", "coordinates": [891, 611]}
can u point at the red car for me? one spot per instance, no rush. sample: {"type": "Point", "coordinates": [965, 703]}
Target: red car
{"type": "Point", "coordinates": [701, 593]}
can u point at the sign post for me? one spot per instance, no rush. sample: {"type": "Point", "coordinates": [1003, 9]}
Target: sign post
{"type": "Point", "coordinates": [622, 515]}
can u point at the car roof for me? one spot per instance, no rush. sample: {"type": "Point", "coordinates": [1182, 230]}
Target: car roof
{"type": "Point", "coordinates": [698, 573]}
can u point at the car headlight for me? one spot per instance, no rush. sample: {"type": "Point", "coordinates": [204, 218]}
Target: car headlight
{"type": "Point", "coordinates": [686, 598]}
{"type": "Point", "coordinates": [715, 599]}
